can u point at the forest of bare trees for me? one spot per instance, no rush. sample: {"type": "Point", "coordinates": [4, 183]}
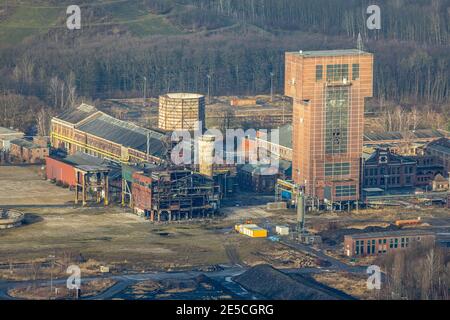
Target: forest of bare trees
{"type": "Point", "coordinates": [238, 43]}
{"type": "Point", "coordinates": [421, 272]}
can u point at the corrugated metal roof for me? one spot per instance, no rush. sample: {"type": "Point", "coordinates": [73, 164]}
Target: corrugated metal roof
{"type": "Point", "coordinates": [125, 134]}
{"type": "Point", "coordinates": [80, 159]}
{"type": "Point", "coordinates": [87, 162]}
{"type": "Point", "coordinates": [78, 114]}
{"type": "Point", "coordinates": [397, 135]}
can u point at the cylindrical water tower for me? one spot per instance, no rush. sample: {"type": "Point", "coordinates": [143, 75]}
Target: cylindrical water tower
{"type": "Point", "coordinates": [181, 111]}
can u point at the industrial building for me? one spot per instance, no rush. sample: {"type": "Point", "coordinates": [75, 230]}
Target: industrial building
{"type": "Point", "coordinates": [26, 151]}
{"type": "Point", "coordinates": [396, 140]}
{"type": "Point", "coordinates": [181, 111]}
{"type": "Point", "coordinates": [387, 170]}
{"type": "Point", "coordinates": [109, 159]}
{"type": "Point", "coordinates": [441, 150]}
{"type": "Point", "coordinates": [262, 178]}
{"type": "Point", "coordinates": [62, 168]}
{"type": "Point", "coordinates": [88, 130]}
{"type": "Point", "coordinates": [328, 89]}
{"type": "Point", "coordinates": [93, 179]}
{"type": "Point", "coordinates": [280, 148]}
{"type": "Point", "coordinates": [440, 183]}
{"type": "Point", "coordinates": [374, 243]}
{"type": "Point", "coordinates": [173, 194]}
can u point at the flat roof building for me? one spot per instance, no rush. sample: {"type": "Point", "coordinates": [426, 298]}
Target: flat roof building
{"type": "Point", "coordinates": [374, 243]}
{"type": "Point", "coordinates": [328, 89]}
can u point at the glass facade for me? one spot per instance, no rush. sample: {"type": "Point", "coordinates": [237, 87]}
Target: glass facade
{"type": "Point", "coordinates": [345, 191]}
{"type": "Point", "coordinates": [336, 119]}
{"type": "Point", "coordinates": [337, 169]}
{"type": "Point", "coordinates": [337, 72]}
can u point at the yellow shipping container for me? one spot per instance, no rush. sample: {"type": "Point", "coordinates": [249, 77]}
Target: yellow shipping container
{"type": "Point", "coordinates": [251, 230]}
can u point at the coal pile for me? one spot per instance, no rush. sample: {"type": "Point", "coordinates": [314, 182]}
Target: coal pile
{"type": "Point", "coordinates": [275, 285]}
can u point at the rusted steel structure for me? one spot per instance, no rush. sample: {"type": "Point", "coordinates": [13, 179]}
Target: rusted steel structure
{"type": "Point", "coordinates": [328, 89]}
{"type": "Point", "coordinates": [92, 181]}
{"type": "Point", "coordinates": [174, 194]}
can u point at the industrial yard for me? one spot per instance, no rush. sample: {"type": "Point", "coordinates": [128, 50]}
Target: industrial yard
{"type": "Point", "coordinates": [99, 233]}
{"type": "Point", "coordinates": [113, 236]}
{"type": "Point", "coordinates": [147, 216]}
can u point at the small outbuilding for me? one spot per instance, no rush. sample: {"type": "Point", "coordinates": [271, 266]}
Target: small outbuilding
{"type": "Point", "coordinates": [440, 183]}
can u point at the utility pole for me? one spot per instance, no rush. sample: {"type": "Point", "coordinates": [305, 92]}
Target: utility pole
{"type": "Point", "coordinates": [145, 89]}
{"type": "Point", "coordinates": [209, 80]}
{"type": "Point", "coordinates": [271, 86]}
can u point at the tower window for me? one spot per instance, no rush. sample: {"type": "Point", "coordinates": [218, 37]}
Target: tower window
{"type": "Point", "coordinates": [337, 72]}
{"type": "Point", "coordinates": [355, 71]}
{"type": "Point", "coordinates": [336, 123]}
{"type": "Point", "coordinates": [319, 72]}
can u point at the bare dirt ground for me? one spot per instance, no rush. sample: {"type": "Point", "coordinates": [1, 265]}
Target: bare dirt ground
{"type": "Point", "coordinates": [90, 288]}
{"type": "Point", "coordinates": [22, 185]}
{"type": "Point", "coordinates": [112, 236]}
{"type": "Point", "coordinates": [91, 237]}
{"type": "Point", "coordinates": [285, 258]}
{"type": "Point", "coordinates": [244, 213]}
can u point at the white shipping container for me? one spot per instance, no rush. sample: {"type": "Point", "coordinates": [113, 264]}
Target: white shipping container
{"type": "Point", "coordinates": [282, 230]}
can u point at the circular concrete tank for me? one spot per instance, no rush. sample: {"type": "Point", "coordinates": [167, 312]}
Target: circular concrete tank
{"type": "Point", "coordinates": [181, 111]}
{"type": "Point", "coordinates": [10, 218]}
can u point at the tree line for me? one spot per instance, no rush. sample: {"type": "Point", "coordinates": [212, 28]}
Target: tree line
{"type": "Point", "coordinates": [238, 44]}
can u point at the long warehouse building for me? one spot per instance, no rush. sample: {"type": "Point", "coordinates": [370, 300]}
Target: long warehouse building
{"type": "Point", "coordinates": [88, 130]}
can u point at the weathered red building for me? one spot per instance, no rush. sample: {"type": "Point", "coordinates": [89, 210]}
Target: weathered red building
{"type": "Point", "coordinates": [142, 193]}
{"type": "Point", "coordinates": [63, 169]}
{"type": "Point", "coordinates": [328, 89]}
{"type": "Point", "coordinates": [374, 243]}
{"type": "Point", "coordinates": [26, 151]}
{"type": "Point", "coordinates": [58, 170]}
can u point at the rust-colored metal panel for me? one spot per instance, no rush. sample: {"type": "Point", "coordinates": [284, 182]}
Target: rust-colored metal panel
{"type": "Point", "coordinates": [60, 171]}
{"type": "Point", "coordinates": [142, 191]}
